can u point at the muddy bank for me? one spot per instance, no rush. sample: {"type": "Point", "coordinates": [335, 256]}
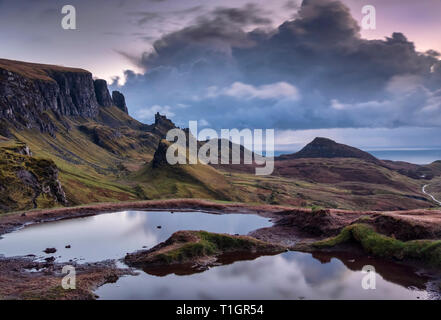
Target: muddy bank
{"type": "Point", "coordinates": [319, 224]}
{"type": "Point", "coordinates": [12, 221]}
{"type": "Point", "coordinates": [291, 225]}
{"type": "Point", "coordinates": [411, 237]}
{"type": "Point", "coordinates": [25, 278]}
{"type": "Point", "coordinates": [315, 222]}
{"type": "Point", "coordinates": [299, 229]}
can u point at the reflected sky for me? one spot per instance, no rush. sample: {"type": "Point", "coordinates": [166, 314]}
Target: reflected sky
{"type": "Point", "coordinates": [112, 235]}
{"type": "Point", "coordinates": [291, 275]}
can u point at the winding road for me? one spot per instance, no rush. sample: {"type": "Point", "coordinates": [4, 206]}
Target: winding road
{"type": "Point", "coordinates": [433, 198]}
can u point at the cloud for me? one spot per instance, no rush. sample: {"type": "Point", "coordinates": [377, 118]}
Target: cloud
{"type": "Point", "coordinates": [239, 90]}
{"type": "Point", "coordinates": [148, 114]}
{"type": "Point", "coordinates": [143, 17]}
{"type": "Point", "coordinates": [250, 14]}
{"type": "Point", "coordinates": [211, 33]}
{"type": "Point", "coordinates": [234, 71]}
{"type": "Point", "coordinates": [404, 84]}
{"type": "Point", "coordinates": [365, 138]}
{"type": "Point", "coordinates": [291, 4]}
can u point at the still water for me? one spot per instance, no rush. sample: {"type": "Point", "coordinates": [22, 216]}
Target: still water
{"type": "Point", "coordinates": [412, 155]}
{"type": "Point", "coordinates": [112, 235]}
{"type": "Point", "coordinates": [290, 275]}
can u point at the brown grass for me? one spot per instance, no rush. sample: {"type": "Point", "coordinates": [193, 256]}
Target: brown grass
{"type": "Point", "coordinates": [35, 70]}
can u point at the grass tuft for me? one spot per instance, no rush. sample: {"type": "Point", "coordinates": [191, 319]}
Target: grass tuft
{"type": "Point", "coordinates": [427, 251]}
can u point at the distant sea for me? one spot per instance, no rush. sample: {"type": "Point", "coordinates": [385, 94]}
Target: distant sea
{"type": "Point", "coordinates": [417, 156]}
{"type": "Point", "coordinates": [412, 155]}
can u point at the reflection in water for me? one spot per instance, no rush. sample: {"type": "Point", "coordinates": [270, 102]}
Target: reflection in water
{"type": "Point", "coordinates": [393, 272]}
{"type": "Point", "coordinates": [291, 275]}
{"type": "Point", "coordinates": [112, 235]}
{"type": "Point", "coordinates": [190, 268]}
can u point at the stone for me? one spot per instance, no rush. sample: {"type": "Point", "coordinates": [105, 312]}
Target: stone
{"type": "Point", "coordinates": [102, 93]}
{"type": "Point", "coordinates": [162, 125]}
{"type": "Point", "coordinates": [120, 101]}
{"type": "Point", "coordinates": [50, 259]}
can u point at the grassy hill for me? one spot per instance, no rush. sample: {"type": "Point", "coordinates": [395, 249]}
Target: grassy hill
{"type": "Point", "coordinates": [159, 179]}
{"type": "Point", "coordinates": [98, 153]}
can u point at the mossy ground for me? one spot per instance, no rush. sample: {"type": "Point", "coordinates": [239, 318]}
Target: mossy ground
{"type": "Point", "coordinates": [426, 251]}
{"type": "Point", "coordinates": [15, 194]}
{"type": "Point", "coordinates": [190, 246]}
{"type": "Point", "coordinates": [347, 195]}
{"type": "Point", "coordinates": [35, 70]}
{"type": "Point", "coordinates": [184, 181]}
{"type": "Point", "coordinates": [209, 244]}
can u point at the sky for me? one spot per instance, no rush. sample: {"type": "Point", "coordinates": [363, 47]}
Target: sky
{"type": "Point", "coordinates": [305, 68]}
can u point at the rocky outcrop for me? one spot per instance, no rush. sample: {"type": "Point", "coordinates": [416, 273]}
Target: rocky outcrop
{"type": "Point", "coordinates": [162, 125]}
{"type": "Point", "coordinates": [102, 93]}
{"type": "Point", "coordinates": [28, 91]}
{"type": "Point", "coordinates": [27, 182]}
{"type": "Point", "coordinates": [120, 101]}
{"type": "Point", "coordinates": [160, 156]}
{"type": "Point", "coordinates": [315, 222]}
{"type": "Point", "coordinates": [20, 148]}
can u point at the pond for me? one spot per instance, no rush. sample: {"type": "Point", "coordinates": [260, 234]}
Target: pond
{"type": "Point", "coordinates": [290, 275]}
{"type": "Point", "coordinates": [112, 235]}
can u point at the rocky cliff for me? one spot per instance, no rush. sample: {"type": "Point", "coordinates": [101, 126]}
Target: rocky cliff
{"type": "Point", "coordinates": [76, 131]}
{"type": "Point", "coordinates": [28, 92]}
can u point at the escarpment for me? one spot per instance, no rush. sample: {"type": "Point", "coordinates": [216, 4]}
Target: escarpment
{"type": "Point", "coordinates": [65, 115]}
{"type": "Point", "coordinates": [28, 91]}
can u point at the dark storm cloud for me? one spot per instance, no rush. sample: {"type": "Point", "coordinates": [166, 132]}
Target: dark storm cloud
{"type": "Point", "coordinates": [143, 17]}
{"type": "Point", "coordinates": [433, 53]}
{"type": "Point", "coordinates": [250, 14]}
{"type": "Point", "coordinates": [208, 42]}
{"type": "Point", "coordinates": [223, 25]}
{"type": "Point", "coordinates": [232, 77]}
{"type": "Point", "coordinates": [291, 4]}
